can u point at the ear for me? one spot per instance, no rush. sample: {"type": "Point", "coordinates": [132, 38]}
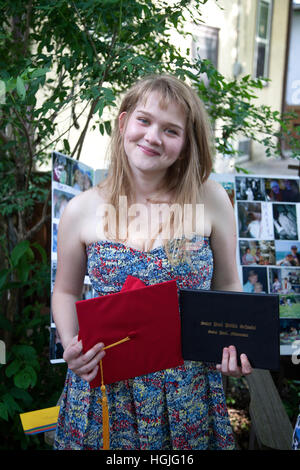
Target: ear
{"type": "Point", "coordinates": [122, 121]}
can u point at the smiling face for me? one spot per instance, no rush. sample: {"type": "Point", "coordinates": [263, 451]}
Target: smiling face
{"type": "Point", "coordinates": [153, 136]}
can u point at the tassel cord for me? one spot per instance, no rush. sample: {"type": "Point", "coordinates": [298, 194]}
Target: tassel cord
{"type": "Point", "coordinates": [105, 413]}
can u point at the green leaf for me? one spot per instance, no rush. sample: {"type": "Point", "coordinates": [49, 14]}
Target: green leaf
{"type": "Point", "coordinates": [21, 90]}
{"type": "Point", "coordinates": [21, 394]}
{"type": "Point", "coordinates": [99, 107]}
{"type": "Point", "coordinates": [11, 404]}
{"type": "Point", "coordinates": [19, 251]}
{"type": "Point", "coordinates": [67, 145]}
{"type": "Point", "coordinates": [25, 378]}
{"type": "Point", "coordinates": [41, 250]}
{"type": "Point", "coordinates": [39, 72]}
{"type": "Point", "coordinates": [13, 368]}
{"type": "Point", "coordinates": [107, 126]}
{"type": "Point", "coordinates": [23, 269]}
{"type": "Point", "coordinates": [24, 351]}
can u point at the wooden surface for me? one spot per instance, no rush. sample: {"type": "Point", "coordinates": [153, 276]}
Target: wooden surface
{"type": "Point", "coordinates": [270, 421]}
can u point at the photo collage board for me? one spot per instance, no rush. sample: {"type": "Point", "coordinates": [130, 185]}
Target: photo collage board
{"type": "Point", "coordinates": [267, 213]}
{"type": "Point", "coordinates": [69, 178]}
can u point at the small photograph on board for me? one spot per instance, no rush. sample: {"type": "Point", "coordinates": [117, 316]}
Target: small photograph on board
{"type": "Point", "coordinates": [282, 190]}
{"type": "Point", "coordinates": [289, 306]}
{"type": "Point", "coordinates": [255, 280]}
{"type": "Point", "coordinates": [284, 280]}
{"type": "Point", "coordinates": [249, 219]}
{"type": "Point", "coordinates": [287, 253]}
{"type": "Point", "coordinates": [60, 200]}
{"type": "Point", "coordinates": [53, 273]}
{"type": "Point", "coordinates": [250, 188]}
{"type": "Point", "coordinates": [60, 168]}
{"type": "Point", "coordinates": [54, 237]}
{"type": "Point", "coordinates": [285, 222]}
{"type": "Point", "coordinates": [274, 280]}
{"type": "Point", "coordinates": [257, 252]}
{"type": "Point", "coordinates": [290, 280]}
{"type": "Point", "coordinates": [81, 176]}
{"type": "Point", "coordinates": [289, 331]}
{"type": "Point", "coordinates": [100, 175]}
{"type": "Point", "coordinates": [229, 188]}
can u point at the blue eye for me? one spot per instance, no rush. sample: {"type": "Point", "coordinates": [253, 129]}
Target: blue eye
{"type": "Point", "coordinates": [171, 131]}
{"type": "Point", "coordinates": [143, 120]}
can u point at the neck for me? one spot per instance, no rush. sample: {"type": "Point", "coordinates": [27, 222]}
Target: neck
{"type": "Point", "coordinates": [148, 187]}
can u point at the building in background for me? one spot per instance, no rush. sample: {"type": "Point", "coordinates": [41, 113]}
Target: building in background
{"type": "Point", "coordinates": [260, 38]}
{"type": "Point", "coordinates": [291, 95]}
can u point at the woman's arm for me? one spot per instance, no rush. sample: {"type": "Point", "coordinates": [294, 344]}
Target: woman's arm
{"type": "Point", "coordinates": [71, 269]}
{"type": "Point", "coordinates": [223, 240]}
{"type": "Point", "coordinates": [225, 275]}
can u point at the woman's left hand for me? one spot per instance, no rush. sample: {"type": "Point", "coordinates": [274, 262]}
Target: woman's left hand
{"type": "Point", "coordinates": [229, 365]}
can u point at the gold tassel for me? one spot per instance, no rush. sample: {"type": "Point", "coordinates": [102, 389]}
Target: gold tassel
{"type": "Point", "coordinates": [105, 414]}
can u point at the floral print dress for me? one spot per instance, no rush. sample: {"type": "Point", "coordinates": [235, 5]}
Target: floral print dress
{"type": "Point", "coordinates": [176, 409]}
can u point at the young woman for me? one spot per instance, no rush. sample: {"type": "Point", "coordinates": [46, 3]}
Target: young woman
{"type": "Point", "coordinates": [161, 153]}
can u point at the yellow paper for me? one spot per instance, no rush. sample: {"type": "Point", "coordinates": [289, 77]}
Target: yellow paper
{"type": "Point", "coordinates": [40, 420]}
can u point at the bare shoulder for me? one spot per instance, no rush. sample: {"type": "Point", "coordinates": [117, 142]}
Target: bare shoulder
{"type": "Point", "coordinates": [216, 201]}
{"type": "Point", "coordinates": [213, 192]}
{"type": "Point", "coordinates": [83, 202]}
{"type": "Point", "coordinates": [80, 214]}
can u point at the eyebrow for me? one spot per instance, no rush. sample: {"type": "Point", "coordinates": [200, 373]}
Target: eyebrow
{"type": "Point", "coordinates": [172, 124]}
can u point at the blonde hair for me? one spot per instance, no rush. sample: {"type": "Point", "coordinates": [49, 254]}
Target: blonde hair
{"type": "Point", "coordinates": [186, 176]}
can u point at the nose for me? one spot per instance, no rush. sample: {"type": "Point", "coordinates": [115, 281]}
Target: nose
{"type": "Point", "coordinates": [152, 135]}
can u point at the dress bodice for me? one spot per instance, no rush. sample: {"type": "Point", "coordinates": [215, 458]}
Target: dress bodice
{"type": "Point", "coordinates": [109, 263]}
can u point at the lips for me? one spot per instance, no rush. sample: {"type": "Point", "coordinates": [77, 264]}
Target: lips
{"type": "Point", "coordinates": [149, 151]}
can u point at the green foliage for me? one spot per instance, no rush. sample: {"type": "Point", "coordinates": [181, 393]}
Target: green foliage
{"type": "Point", "coordinates": [290, 393]}
{"type": "Point", "coordinates": [27, 381]}
{"type": "Point", "coordinates": [234, 112]}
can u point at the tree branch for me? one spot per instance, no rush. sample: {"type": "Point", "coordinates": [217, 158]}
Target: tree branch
{"type": "Point", "coordinates": [29, 145]}
{"type": "Point", "coordinates": [27, 29]}
{"type": "Point", "coordinates": [80, 141]}
{"type": "Point", "coordinates": [29, 234]}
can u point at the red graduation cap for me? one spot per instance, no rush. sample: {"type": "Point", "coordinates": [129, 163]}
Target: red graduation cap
{"type": "Point", "coordinates": [141, 331]}
{"type": "Point", "coordinates": [139, 326]}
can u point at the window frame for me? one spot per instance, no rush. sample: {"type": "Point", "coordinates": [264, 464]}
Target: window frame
{"type": "Point", "coordinates": [265, 41]}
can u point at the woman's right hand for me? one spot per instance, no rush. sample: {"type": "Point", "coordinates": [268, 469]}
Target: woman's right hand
{"type": "Point", "coordinates": [85, 365]}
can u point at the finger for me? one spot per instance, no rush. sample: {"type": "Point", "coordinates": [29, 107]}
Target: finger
{"type": "Point", "coordinates": [91, 375]}
{"type": "Point", "coordinates": [76, 361]}
{"type": "Point", "coordinates": [246, 366]}
{"type": "Point", "coordinates": [225, 358]}
{"type": "Point", "coordinates": [91, 353]}
{"type": "Point", "coordinates": [87, 368]}
{"type": "Point", "coordinates": [232, 363]}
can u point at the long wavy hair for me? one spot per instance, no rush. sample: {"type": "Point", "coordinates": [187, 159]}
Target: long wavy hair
{"type": "Point", "coordinates": [186, 176]}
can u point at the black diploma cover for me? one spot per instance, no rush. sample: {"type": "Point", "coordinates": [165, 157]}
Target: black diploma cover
{"type": "Point", "coordinates": [212, 320]}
